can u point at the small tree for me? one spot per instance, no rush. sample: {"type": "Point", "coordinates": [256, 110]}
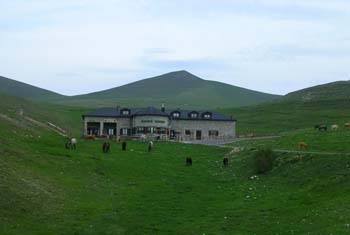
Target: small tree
{"type": "Point", "coordinates": [264, 160]}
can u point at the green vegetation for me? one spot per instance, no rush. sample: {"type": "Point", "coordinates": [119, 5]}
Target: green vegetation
{"type": "Point", "coordinates": [46, 189]}
{"type": "Point", "coordinates": [264, 160]}
{"type": "Point", "coordinates": [330, 91]}
{"type": "Point", "coordinates": [317, 141]}
{"type": "Point", "coordinates": [177, 90]}
{"type": "Point", "coordinates": [282, 116]}
{"type": "Point", "coordinates": [20, 89]}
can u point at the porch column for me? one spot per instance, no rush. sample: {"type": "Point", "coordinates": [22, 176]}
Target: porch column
{"type": "Point", "coordinates": [85, 128]}
{"type": "Point", "coordinates": [101, 128]}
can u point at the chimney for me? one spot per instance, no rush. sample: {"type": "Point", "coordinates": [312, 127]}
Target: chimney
{"type": "Point", "coordinates": [163, 108]}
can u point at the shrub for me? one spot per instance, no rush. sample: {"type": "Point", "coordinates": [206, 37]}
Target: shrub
{"type": "Point", "coordinates": [264, 160]}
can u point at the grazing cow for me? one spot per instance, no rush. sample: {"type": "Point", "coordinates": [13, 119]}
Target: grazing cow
{"type": "Point", "coordinates": [150, 146]}
{"type": "Point", "coordinates": [303, 145]}
{"type": "Point", "coordinates": [91, 137]}
{"type": "Point", "coordinates": [71, 144]}
{"type": "Point", "coordinates": [321, 127]}
{"type": "Point", "coordinates": [105, 147]}
{"type": "Point", "coordinates": [334, 127]}
{"type": "Point", "coordinates": [188, 161]}
{"type": "Point", "coordinates": [225, 161]}
{"type": "Point", "coordinates": [347, 125]}
{"type": "Point", "coordinates": [124, 146]}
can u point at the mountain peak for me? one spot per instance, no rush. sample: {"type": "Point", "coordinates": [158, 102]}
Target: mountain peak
{"type": "Point", "coordinates": [180, 75]}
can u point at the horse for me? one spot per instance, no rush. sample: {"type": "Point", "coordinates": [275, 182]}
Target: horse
{"type": "Point", "coordinates": [105, 147]}
{"type": "Point", "coordinates": [143, 137]}
{"type": "Point", "coordinates": [150, 146]}
{"type": "Point", "coordinates": [347, 125]}
{"type": "Point", "coordinates": [71, 144]}
{"type": "Point", "coordinates": [225, 161]}
{"type": "Point", "coordinates": [303, 145]}
{"type": "Point", "coordinates": [334, 127]}
{"type": "Point", "coordinates": [321, 127]}
{"type": "Point", "coordinates": [189, 161]}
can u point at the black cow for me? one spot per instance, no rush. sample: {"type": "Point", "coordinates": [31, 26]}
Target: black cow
{"type": "Point", "coordinates": [189, 161]}
{"type": "Point", "coordinates": [124, 146]}
{"type": "Point", "coordinates": [225, 161]}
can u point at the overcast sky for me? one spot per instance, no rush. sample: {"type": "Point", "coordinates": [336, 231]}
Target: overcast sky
{"type": "Point", "coordinates": [79, 46]}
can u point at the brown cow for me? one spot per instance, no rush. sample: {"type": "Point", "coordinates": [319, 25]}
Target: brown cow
{"type": "Point", "coordinates": [91, 137]}
{"type": "Point", "coordinates": [303, 145]}
{"type": "Point", "coordinates": [105, 147]}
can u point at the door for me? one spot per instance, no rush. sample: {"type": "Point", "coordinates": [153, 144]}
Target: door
{"type": "Point", "coordinates": [198, 135]}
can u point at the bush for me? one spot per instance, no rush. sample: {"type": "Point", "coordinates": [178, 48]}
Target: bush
{"type": "Point", "coordinates": [264, 160]}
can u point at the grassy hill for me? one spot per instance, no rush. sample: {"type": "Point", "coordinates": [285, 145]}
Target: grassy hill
{"type": "Point", "coordinates": [330, 91]}
{"type": "Point", "coordinates": [287, 115]}
{"type": "Point", "coordinates": [67, 118]}
{"type": "Point", "coordinates": [177, 89]}
{"type": "Point", "coordinates": [47, 189]}
{"type": "Point", "coordinates": [20, 89]}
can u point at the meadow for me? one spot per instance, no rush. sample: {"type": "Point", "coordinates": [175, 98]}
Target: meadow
{"type": "Point", "coordinates": [47, 189]}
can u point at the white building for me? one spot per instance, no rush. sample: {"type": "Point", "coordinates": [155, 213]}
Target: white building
{"type": "Point", "coordinates": [159, 123]}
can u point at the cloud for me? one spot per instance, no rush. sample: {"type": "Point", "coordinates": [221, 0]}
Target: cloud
{"type": "Point", "coordinates": [251, 43]}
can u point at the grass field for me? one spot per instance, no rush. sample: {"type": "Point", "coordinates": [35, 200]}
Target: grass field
{"type": "Point", "coordinates": [46, 189]}
{"type": "Point", "coordinates": [283, 116]}
{"type": "Point", "coordinates": [317, 141]}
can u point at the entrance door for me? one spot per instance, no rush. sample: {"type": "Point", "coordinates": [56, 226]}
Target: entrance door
{"type": "Point", "coordinates": [198, 135]}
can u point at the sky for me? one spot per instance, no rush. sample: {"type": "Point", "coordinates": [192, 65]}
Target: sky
{"type": "Point", "coordinates": [80, 46]}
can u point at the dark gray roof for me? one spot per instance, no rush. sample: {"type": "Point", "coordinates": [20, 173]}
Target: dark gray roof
{"type": "Point", "coordinates": [184, 114]}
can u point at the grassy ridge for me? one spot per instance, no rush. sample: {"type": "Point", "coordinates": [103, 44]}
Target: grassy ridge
{"type": "Point", "coordinates": [20, 89]}
{"type": "Point", "coordinates": [282, 116]}
{"type": "Point", "coordinates": [68, 118]}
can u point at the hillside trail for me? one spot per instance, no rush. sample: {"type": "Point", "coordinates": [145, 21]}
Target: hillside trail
{"type": "Point", "coordinates": [48, 125]}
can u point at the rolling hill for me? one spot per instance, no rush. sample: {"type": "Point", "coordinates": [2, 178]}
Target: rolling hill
{"type": "Point", "coordinates": [176, 89]}
{"type": "Point", "coordinates": [20, 89]}
{"type": "Point", "coordinates": [330, 91]}
{"type": "Point", "coordinates": [327, 103]}
{"type": "Point", "coordinates": [179, 89]}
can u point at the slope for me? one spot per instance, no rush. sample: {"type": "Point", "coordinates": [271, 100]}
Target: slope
{"type": "Point", "coordinates": [20, 89]}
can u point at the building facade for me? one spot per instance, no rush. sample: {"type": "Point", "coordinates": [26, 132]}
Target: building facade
{"type": "Point", "coordinates": [181, 125]}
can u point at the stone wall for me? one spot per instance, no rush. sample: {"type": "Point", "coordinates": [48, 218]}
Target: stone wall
{"type": "Point", "coordinates": [225, 128]}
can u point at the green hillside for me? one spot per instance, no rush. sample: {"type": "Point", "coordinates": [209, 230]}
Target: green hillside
{"type": "Point", "coordinates": [330, 91]}
{"type": "Point", "coordinates": [281, 116]}
{"type": "Point", "coordinates": [20, 89]}
{"type": "Point", "coordinates": [20, 111]}
{"type": "Point", "coordinates": [177, 89]}
{"type": "Point", "coordinates": [46, 189]}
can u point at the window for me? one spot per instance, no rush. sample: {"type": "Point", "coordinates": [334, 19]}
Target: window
{"type": "Point", "coordinates": [124, 131]}
{"type": "Point", "coordinates": [213, 133]}
{"type": "Point", "coordinates": [125, 111]}
{"type": "Point", "coordinates": [193, 115]}
{"type": "Point", "coordinates": [187, 132]}
{"type": "Point", "coordinates": [176, 114]}
{"type": "Point", "coordinates": [110, 131]}
{"type": "Point", "coordinates": [207, 115]}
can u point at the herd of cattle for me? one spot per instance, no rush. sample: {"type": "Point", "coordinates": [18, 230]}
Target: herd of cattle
{"type": "Point", "coordinates": [322, 127]}
{"type": "Point", "coordinates": [71, 144]}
